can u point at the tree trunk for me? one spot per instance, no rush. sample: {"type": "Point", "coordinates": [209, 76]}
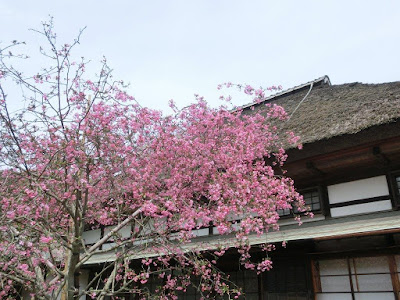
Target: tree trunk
{"type": "Point", "coordinates": [71, 287]}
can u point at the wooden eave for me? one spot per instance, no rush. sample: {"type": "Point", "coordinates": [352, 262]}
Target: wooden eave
{"type": "Point", "coordinates": [367, 159]}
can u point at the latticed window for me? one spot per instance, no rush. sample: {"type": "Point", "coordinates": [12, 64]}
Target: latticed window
{"type": "Point", "coordinates": [244, 279]}
{"type": "Point", "coordinates": [248, 281]}
{"type": "Point", "coordinates": [287, 280]}
{"type": "Point", "coordinates": [312, 199]}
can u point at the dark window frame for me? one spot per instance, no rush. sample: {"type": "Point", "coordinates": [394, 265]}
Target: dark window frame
{"type": "Point", "coordinates": [393, 179]}
{"type": "Point", "coordinates": [322, 195]}
{"type": "Point", "coordinates": [283, 282]}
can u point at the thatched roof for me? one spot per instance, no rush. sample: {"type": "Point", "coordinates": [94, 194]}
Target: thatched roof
{"type": "Point", "coordinates": [334, 110]}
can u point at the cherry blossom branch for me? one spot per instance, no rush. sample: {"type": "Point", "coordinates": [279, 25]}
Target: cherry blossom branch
{"type": "Point", "coordinates": [112, 232]}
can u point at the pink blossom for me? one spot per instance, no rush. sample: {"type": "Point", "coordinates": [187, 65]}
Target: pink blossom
{"type": "Point", "coordinates": [248, 90]}
{"type": "Point", "coordinates": [23, 267]}
{"type": "Point", "coordinates": [45, 240]}
{"type": "Point", "coordinates": [10, 214]}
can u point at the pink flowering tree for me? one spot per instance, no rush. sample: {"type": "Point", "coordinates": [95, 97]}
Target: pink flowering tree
{"type": "Point", "coordinates": [82, 154]}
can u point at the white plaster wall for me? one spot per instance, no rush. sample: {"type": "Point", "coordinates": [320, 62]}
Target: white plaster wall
{"type": "Point", "coordinates": [91, 236]}
{"type": "Point", "coordinates": [124, 232]}
{"type": "Point", "coordinates": [83, 282]}
{"type": "Point", "coordinates": [358, 189]}
{"type": "Point", "coordinates": [363, 208]}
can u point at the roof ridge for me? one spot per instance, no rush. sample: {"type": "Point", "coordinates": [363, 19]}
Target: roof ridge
{"type": "Point", "coordinates": [324, 79]}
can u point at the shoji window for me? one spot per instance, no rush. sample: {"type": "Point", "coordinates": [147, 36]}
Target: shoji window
{"type": "Point", "coordinates": [356, 278]}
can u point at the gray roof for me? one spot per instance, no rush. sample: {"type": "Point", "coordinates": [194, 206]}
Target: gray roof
{"type": "Point", "coordinates": [334, 110]}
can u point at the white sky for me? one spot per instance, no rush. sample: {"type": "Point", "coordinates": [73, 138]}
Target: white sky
{"type": "Point", "coordinates": [173, 49]}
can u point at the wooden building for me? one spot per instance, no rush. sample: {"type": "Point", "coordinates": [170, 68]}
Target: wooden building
{"type": "Point", "coordinates": [349, 174]}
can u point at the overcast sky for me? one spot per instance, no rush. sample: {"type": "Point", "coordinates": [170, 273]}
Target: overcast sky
{"type": "Point", "coordinates": [173, 49]}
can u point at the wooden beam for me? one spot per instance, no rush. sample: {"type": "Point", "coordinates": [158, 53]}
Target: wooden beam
{"type": "Point", "coordinates": [310, 165]}
{"type": "Point", "coordinates": [358, 234]}
{"type": "Point", "coordinates": [382, 158]}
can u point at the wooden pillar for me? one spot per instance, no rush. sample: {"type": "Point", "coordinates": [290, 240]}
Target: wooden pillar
{"type": "Point", "coordinates": [394, 276]}
{"type": "Point", "coordinates": [316, 280]}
